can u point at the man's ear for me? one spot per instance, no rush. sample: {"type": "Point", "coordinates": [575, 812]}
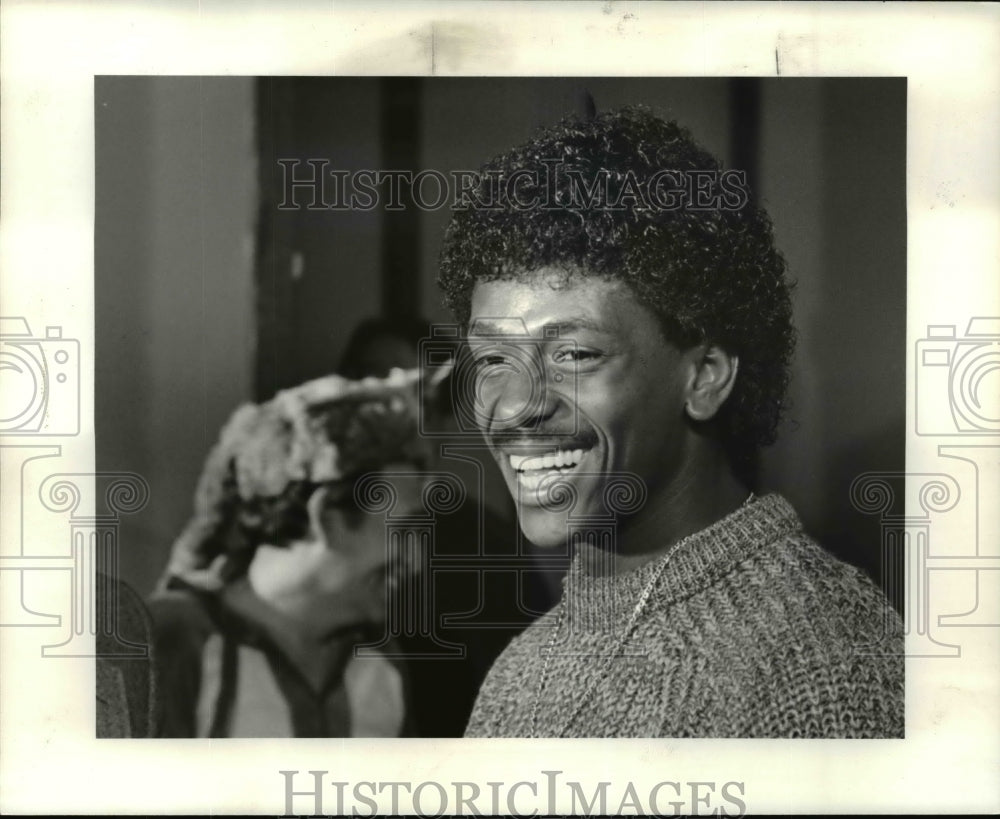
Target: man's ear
{"type": "Point", "coordinates": [713, 375]}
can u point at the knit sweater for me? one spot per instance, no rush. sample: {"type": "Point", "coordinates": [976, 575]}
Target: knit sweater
{"type": "Point", "coordinates": [751, 630]}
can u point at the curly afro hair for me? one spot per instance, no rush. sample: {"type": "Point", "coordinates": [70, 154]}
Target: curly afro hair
{"type": "Point", "coordinates": [709, 275]}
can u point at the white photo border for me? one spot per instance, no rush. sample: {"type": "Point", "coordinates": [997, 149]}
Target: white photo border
{"type": "Point", "coordinates": [49, 760]}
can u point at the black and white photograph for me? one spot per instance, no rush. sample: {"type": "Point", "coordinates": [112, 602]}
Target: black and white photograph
{"type": "Point", "coordinates": [549, 439]}
{"type": "Point", "coordinates": [605, 311]}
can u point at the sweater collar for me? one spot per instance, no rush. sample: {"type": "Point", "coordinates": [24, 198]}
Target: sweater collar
{"type": "Point", "coordinates": [699, 560]}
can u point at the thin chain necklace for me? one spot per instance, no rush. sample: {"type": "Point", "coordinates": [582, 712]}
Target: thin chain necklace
{"type": "Point", "coordinates": [619, 645]}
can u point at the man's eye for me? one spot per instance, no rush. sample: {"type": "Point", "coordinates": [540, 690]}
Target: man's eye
{"type": "Point", "coordinates": [575, 355]}
{"type": "Point", "coordinates": [489, 361]}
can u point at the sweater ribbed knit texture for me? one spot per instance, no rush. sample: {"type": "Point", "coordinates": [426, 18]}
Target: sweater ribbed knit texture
{"type": "Point", "coordinates": [752, 630]}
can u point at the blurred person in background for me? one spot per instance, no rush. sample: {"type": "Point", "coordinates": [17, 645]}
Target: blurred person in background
{"type": "Point", "coordinates": [281, 573]}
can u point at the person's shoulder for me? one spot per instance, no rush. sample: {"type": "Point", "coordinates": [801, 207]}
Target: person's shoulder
{"type": "Point", "coordinates": [797, 603]}
{"type": "Point", "coordinates": [833, 629]}
{"type": "Point", "coordinates": [815, 633]}
{"type": "Point", "coordinates": [824, 584]}
{"type": "Point", "coordinates": [817, 591]}
{"type": "Point", "coordinates": [807, 575]}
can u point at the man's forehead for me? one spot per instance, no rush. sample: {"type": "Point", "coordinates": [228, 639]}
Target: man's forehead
{"type": "Point", "coordinates": [516, 326]}
{"type": "Point", "coordinates": [545, 305]}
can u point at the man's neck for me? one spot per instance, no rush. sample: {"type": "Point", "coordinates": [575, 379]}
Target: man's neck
{"type": "Point", "coordinates": [696, 499]}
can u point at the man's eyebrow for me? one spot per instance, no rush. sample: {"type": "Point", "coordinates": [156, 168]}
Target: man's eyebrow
{"type": "Point", "coordinates": [578, 323]}
{"type": "Point", "coordinates": [488, 327]}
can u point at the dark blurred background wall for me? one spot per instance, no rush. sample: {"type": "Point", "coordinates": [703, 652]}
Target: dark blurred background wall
{"type": "Point", "coordinates": [207, 294]}
{"type": "Point", "coordinates": [176, 202]}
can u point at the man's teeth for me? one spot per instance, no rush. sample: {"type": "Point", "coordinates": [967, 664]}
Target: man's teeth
{"type": "Point", "coordinates": [553, 460]}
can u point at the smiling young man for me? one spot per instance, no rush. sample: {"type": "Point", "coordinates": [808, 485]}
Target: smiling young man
{"type": "Point", "coordinates": [629, 327]}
